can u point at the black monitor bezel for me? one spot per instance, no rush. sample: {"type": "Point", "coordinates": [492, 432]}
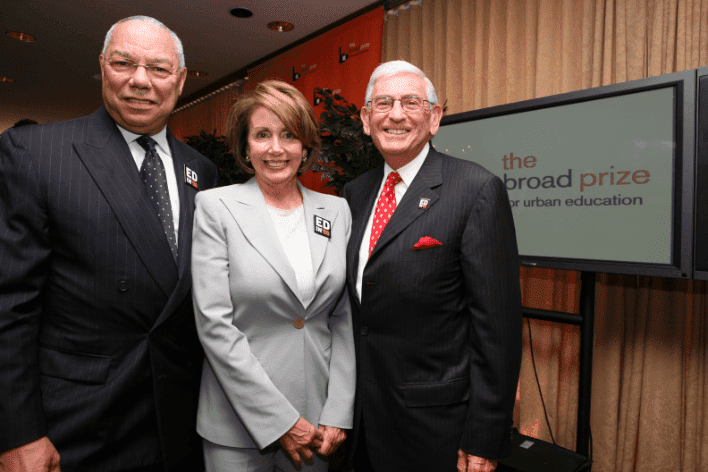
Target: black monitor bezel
{"type": "Point", "coordinates": [700, 227]}
{"type": "Point", "coordinates": [684, 84]}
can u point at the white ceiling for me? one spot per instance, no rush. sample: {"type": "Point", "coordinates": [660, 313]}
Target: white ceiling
{"type": "Point", "coordinates": [54, 76]}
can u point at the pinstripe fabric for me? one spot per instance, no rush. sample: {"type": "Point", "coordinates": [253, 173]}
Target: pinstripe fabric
{"type": "Point", "coordinates": [438, 331]}
{"type": "Point", "coordinates": [97, 340]}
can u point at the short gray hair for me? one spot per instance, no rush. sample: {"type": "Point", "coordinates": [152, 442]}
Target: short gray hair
{"type": "Point", "coordinates": [147, 19]}
{"type": "Point", "coordinates": [397, 67]}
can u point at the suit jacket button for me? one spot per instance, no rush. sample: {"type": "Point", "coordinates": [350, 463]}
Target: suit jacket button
{"type": "Point", "coordinates": [364, 330]}
{"type": "Point", "coordinates": [299, 323]}
{"type": "Point", "coordinates": [123, 285]}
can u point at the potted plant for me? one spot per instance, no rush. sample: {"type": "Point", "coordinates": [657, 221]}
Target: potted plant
{"type": "Point", "coordinates": [346, 151]}
{"type": "Point", "coordinates": [216, 149]}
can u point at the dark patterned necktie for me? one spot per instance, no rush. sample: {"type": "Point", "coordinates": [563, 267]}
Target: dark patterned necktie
{"type": "Point", "coordinates": [384, 209]}
{"type": "Point", "coordinates": [153, 174]}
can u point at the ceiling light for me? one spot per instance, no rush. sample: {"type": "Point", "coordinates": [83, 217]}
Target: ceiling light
{"type": "Point", "coordinates": [196, 73]}
{"type": "Point", "coordinates": [21, 36]}
{"type": "Point", "coordinates": [239, 12]}
{"type": "Point", "coordinates": [6, 80]}
{"type": "Point", "coordinates": [281, 26]}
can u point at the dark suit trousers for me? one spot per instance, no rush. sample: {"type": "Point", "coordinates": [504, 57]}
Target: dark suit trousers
{"type": "Point", "coordinates": [150, 468]}
{"type": "Point", "coordinates": [362, 463]}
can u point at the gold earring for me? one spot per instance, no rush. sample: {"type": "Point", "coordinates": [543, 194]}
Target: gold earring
{"type": "Point", "coordinates": [248, 158]}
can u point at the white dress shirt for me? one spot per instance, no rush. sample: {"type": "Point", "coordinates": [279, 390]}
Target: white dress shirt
{"type": "Point", "coordinates": [163, 150]}
{"type": "Point", "coordinates": [292, 232]}
{"type": "Point", "coordinates": [407, 173]}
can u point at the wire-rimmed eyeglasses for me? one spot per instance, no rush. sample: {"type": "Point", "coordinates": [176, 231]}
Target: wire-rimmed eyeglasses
{"type": "Point", "coordinates": [384, 103]}
{"type": "Point", "coordinates": [124, 66]}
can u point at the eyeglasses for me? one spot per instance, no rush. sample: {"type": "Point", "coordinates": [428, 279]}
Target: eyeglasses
{"type": "Point", "coordinates": [384, 103]}
{"type": "Point", "coordinates": [154, 71]}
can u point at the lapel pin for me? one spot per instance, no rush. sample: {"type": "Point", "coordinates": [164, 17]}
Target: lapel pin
{"type": "Point", "coordinates": [191, 178]}
{"type": "Point", "coordinates": [424, 203]}
{"type": "Point", "coordinates": [323, 227]}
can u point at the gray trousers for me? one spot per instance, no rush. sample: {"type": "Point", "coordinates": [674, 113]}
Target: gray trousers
{"type": "Point", "coordinates": [219, 458]}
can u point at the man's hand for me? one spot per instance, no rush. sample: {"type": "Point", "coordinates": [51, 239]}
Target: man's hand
{"type": "Point", "coordinates": [299, 439]}
{"type": "Point", "coordinates": [333, 437]}
{"type": "Point", "coordinates": [469, 463]}
{"type": "Point", "coordinates": [37, 456]}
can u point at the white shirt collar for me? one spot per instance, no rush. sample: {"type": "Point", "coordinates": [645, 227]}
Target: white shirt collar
{"type": "Point", "coordinates": [410, 170]}
{"type": "Point", "coordinates": [160, 138]}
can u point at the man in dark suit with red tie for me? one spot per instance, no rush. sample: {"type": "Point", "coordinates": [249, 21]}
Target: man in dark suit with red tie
{"type": "Point", "coordinates": [434, 283]}
{"type": "Point", "coordinates": [99, 357]}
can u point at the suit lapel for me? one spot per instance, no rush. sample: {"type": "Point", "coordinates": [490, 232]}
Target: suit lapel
{"type": "Point", "coordinates": [314, 206]}
{"type": "Point", "coordinates": [181, 157]}
{"type": "Point", "coordinates": [186, 205]}
{"type": "Point", "coordinates": [361, 207]}
{"type": "Point", "coordinates": [424, 185]}
{"type": "Point", "coordinates": [249, 209]}
{"type": "Point", "coordinates": [107, 158]}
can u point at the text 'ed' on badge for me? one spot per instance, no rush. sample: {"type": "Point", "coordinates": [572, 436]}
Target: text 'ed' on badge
{"type": "Point", "coordinates": [323, 227]}
{"type": "Point", "coordinates": [424, 203]}
{"type": "Point", "coordinates": [191, 177]}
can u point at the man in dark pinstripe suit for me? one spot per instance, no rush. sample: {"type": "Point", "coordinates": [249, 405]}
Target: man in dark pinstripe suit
{"type": "Point", "coordinates": [99, 359]}
{"type": "Point", "coordinates": [435, 294]}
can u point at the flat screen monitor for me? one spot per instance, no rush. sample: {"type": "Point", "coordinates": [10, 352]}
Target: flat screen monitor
{"type": "Point", "coordinates": [701, 221]}
{"type": "Point", "coordinates": [599, 180]}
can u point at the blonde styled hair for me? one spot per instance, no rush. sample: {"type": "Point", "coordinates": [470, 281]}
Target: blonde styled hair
{"type": "Point", "coordinates": [289, 105]}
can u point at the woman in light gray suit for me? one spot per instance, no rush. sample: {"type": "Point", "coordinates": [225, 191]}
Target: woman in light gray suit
{"type": "Point", "coordinates": [268, 268]}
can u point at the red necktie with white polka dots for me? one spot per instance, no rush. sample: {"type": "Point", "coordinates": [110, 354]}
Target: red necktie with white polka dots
{"type": "Point", "coordinates": [153, 173]}
{"type": "Point", "coordinates": [384, 208]}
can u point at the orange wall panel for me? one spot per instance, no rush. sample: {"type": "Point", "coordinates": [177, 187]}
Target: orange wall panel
{"type": "Point", "coordinates": [341, 59]}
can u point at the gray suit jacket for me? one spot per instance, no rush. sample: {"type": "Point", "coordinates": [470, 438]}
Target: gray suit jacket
{"type": "Point", "coordinates": [261, 372]}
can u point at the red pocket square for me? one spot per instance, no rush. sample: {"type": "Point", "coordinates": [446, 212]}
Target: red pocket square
{"type": "Point", "coordinates": [425, 242]}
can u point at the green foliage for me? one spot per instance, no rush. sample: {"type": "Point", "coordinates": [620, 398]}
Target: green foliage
{"type": "Point", "coordinates": [347, 151]}
{"type": "Point", "coordinates": [216, 149]}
